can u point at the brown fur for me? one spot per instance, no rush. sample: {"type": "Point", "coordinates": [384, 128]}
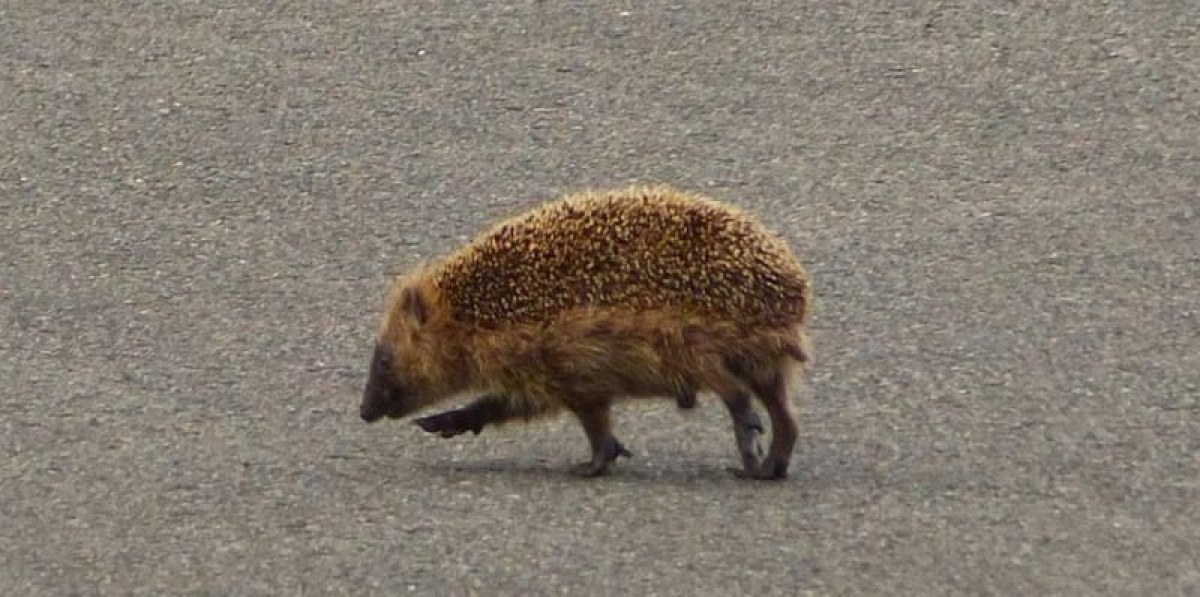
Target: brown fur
{"type": "Point", "coordinates": [638, 292]}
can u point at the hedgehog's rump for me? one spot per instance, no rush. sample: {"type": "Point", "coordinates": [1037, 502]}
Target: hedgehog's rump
{"type": "Point", "coordinates": [640, 248]}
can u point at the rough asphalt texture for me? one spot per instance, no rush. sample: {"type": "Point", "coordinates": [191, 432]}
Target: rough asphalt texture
{"type": "Point", "coordinates": [200, 203]}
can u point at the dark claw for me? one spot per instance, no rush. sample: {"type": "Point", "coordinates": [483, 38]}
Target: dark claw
{"type": "Point", "coordinates": [620, 450]}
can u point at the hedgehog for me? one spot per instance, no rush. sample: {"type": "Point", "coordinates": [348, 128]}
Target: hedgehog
{"type": "Point", "coordinates": [596, 297]}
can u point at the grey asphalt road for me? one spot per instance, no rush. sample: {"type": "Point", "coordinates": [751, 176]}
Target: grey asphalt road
{"type": "Point", "coordinates": [201, 202]}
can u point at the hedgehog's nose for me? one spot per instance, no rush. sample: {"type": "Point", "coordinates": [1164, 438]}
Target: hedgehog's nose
{"type": "Point", "coordinates": [368, 413]}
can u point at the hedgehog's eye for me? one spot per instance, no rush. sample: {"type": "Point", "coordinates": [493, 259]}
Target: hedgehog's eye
{"type": "Point", "coordinates": [383, 359]}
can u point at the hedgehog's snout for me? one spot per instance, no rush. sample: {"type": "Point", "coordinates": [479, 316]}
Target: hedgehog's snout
{"type": "Point", "coordinates": [381, 399]}
{"type": "Point", "coordinates": [380, 396]}
{"type": "Point", "coordinates": [368, 414]}
{"type": "Point", "coordinates": [372, 407]}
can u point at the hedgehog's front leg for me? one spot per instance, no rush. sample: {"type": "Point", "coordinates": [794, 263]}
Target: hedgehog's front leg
{"type": "Point", "coordinates": [490, 409]}
{"type": "Point", "coordinates": [597, 424]}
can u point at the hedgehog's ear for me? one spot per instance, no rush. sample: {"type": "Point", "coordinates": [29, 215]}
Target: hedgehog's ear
{"type": "Point", "coordinates": [415, 306]}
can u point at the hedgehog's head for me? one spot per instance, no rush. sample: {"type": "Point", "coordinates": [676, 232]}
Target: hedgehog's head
{"type": "Point", "coordinates": [412, 363]}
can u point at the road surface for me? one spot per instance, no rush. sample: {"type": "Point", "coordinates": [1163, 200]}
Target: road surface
{"type": "Point", "coordinates": [200, 204]}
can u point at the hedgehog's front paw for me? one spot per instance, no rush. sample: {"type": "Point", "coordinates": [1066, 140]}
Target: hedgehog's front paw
{"type": "Point", "coordinates": [450, 423]}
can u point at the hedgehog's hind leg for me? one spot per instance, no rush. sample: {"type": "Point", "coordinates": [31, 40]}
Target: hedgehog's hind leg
{"type": "Point", "coordinates": [773, 392]}
{"type": "Point", "coordinates": [490, 409]}
{"type": "Point", "coordinates": [747, 430]}
{"type": "Point", "coordinates": [596, 419]}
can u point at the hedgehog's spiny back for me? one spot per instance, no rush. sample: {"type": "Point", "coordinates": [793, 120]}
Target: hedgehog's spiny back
{"type": "Point", "coordinates": [642, 248]}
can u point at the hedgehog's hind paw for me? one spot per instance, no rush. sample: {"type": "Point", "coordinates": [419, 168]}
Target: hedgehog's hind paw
{"type": "Point", "coordinates": [601, 460]}
{"type": "Point", "coordinates": [770, 469]}
{"type": "Point", "coordinates": [589, 469]}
